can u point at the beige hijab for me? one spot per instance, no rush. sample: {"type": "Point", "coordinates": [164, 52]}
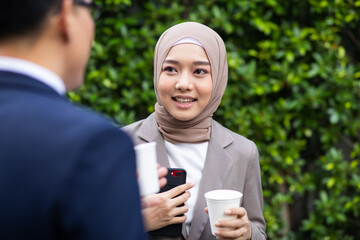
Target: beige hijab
{"type": "Point", "coordinates": [197, 129]}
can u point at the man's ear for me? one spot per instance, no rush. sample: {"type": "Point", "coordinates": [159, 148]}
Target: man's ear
{"type": "Point", "coordinates": [65, 19]}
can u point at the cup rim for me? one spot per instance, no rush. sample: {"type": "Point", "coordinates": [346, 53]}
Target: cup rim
{"type": "Point", "coordinates": [212, 195]}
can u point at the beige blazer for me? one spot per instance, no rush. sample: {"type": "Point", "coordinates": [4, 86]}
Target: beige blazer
{"type": "Point", "coordinates": [232, 162]}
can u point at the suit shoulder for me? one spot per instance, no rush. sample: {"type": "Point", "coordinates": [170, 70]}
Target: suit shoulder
{"type": "Point", "coordinates": [78, 122]}
{"type": "Point", "coordinates": [80, 115]}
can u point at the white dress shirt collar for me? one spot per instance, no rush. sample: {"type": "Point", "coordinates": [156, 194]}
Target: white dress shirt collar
{"type": "Point", "coordinates": [33, 70]}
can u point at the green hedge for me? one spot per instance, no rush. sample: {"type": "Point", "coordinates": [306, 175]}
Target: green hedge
{"type": "Point", "coordinates": [294, 88]}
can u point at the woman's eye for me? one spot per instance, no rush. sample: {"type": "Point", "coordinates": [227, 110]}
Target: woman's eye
{"type": "Point", "coordinates": [200, 71]}
{"type": "Point", "coordinates": [169, 69]}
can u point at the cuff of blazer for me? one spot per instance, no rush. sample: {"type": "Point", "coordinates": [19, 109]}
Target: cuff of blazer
{"type": "Point", "coordinates": [257, 233]}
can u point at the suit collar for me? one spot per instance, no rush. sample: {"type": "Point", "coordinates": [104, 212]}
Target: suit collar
{"type": "Point", "coordinates": [18, 81]}
{"type": "Point", "coordinates": [34, 71]}
{"type": "Point", "coordinates": [221, 135]}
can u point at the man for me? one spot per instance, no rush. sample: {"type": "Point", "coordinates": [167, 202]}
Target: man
{"type": "Point", "coordinates": [65, 173]}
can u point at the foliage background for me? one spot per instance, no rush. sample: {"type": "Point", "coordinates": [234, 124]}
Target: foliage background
{"type": "Point", "coordinates": [294, 88]}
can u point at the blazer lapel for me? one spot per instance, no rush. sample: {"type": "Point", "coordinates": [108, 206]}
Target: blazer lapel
{"type": "Point", "coordinates": [217, 165]}
{"type": "Point", "coordinates": [149, 133]}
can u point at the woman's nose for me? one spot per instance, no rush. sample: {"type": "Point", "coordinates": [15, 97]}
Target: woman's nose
{"type": "Point", "coordinates": [184, 82]}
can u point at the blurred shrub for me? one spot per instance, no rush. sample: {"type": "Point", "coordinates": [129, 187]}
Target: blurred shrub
{"type": "Point", "coordinates": [294, 88]}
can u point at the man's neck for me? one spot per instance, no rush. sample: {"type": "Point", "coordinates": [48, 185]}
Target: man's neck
{"type": "Point", "coordinates": [39, 52]}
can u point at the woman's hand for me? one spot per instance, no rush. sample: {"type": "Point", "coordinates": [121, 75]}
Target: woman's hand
{"type": "Point", "coordinates": [238, 228]}
{"type": "Point", "coordinates": [160, 210]}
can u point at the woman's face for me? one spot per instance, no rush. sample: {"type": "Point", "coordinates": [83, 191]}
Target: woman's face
{"type": "Point", "coordinates": [185, 83]}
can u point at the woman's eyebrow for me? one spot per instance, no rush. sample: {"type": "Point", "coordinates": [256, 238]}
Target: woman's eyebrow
{"type": "Point", "coordinates": [171, 61]}
{"type": "Point", "coordinates": [201, 63]}
{"type": "Point", "coordinates": [194, 63]}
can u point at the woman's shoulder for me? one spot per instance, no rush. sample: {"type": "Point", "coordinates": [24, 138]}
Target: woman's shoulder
{"type": "Point", "coordinates": [133, 127]}
{"type": "Point", "coordinates": [136, 126]}
{"type": "Point", "coordinates": [236, 145]}
{"type": "Point", "coordinates": [226, 134]}
{"type": "Point", "coordinates": [143, 130]}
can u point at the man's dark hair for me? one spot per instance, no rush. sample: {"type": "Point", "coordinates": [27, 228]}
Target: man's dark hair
{"type": "Point", "coordinates": [21, 17]}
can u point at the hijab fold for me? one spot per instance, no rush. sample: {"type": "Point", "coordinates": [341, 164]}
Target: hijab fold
{"type": "Point", "coordinates": [197, 129]}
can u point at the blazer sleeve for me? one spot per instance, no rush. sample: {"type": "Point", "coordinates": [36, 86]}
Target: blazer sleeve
{"type": "Point", "coordinates": [253, 197]}
{"type": "Point", "coordinates": [100, 199]}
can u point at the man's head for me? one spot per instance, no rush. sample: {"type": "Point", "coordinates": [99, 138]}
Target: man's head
{"type": "Point", "coordinates": [56, 34]}
{"type": "Point", "coordinates": [26, 17]}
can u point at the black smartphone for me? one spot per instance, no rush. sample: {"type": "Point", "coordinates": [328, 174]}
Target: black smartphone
{"type": "Point", "coordinates": [174, 177]}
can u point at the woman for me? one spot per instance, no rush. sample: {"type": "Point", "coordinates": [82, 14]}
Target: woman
{"type": "Point", "coordinates": [190, 77]}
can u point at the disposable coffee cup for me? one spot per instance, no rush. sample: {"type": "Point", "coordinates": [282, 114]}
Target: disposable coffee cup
{"type": "Point", "coordinates": [220, 200]}
{"type": "Point", "coordinates": [146, 166]}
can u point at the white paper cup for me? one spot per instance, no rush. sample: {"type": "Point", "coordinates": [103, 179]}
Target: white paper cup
{"type": "Point", "coordinates": [220, 200]}
{"type": "Point", "coordinates": [146, 163]}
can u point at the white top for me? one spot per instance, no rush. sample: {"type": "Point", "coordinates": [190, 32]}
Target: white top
{"type": "Point", "coordinates": [33, 70]}
{"type": "Point", "coordinates": [191, 157]}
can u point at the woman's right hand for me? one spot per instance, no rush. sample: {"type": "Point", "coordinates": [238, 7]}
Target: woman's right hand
{"type": "Point", "coordinates": [163, 210]}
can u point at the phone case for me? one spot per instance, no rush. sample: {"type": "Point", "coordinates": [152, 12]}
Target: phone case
{"type": "Point", "coordinates": [175, 177]}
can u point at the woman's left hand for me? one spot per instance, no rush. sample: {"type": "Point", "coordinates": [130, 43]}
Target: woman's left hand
{"type": "Point", "coordinates": [238, 228]}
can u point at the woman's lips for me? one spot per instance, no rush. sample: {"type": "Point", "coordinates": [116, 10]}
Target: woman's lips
{"type": "Point", "coordinates": [184, 102]}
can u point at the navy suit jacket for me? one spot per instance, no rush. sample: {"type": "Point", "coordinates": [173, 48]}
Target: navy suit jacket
{"type": "Point", "coordinates": [65, 172]}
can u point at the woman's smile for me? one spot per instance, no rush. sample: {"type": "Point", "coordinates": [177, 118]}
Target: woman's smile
{"type": "Point", "coordinates": [184, 102]}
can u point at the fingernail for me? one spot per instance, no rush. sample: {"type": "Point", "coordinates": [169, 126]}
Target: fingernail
{"type": "Point", "coordinates": [217, 232]}
{"type": "Point", "coordinates": [228, 211]}
{"type": "Point", "coordinates": [217, 223]}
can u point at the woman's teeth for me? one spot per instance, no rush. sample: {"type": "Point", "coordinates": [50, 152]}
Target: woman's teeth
{"type": "Point", "coordinates": [184, 100]}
